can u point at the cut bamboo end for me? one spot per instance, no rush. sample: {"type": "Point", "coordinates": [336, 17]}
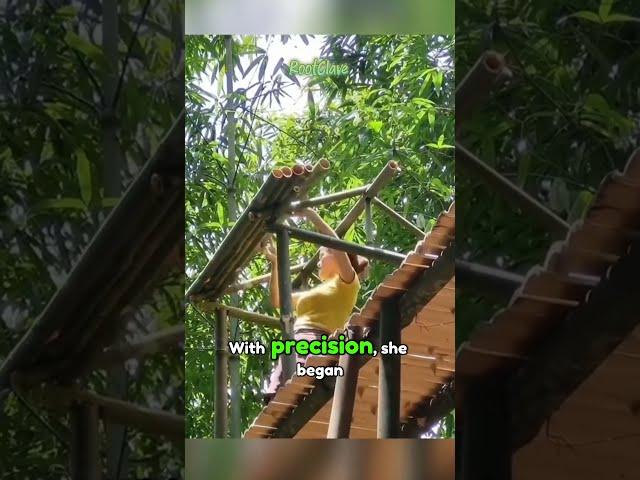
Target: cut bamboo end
{"type": "Point", "coordinates": [393, 165]}
{"type": "Point", "coordinates": [287, 172]}
{"type": "Point", "coordinates": [277, 173]}
{"type": "Point", "coordinates": [494, 62]}
{"type": "Point", "coordinates": [298, 169]}
{"type": "Point", "coordinates": [308, 168]}
{"type": "Point", "coordinates": [323, 164]}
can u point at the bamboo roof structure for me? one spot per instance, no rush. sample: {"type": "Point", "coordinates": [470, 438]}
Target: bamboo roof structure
{"type": "Point", "coordinates": [139, 241]}
{"type": "Point", "coordinates": [570, 341]}
{"type": "Point", "coordinates": [425, 285]}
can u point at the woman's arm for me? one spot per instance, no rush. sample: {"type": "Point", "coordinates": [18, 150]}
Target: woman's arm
{"type": "Point", "coordinates": [346, 271]}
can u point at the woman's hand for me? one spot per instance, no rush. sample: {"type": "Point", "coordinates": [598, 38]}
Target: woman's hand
{"type": "Point", "coordinates": [269, 250]}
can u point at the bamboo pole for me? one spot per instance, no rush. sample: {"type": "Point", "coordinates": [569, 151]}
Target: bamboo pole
{"type": "Point", "coordinates": [344, 395]}
{"type": "Point", "coordinates": [234, 360]}
{"type": "Point", "coordinates": [286, 307]}
{"type": "Point", "coordinates": [252, 282]}
{"type": "Point", "coordinates": [330, 198]}
{"type": "Point", "coordinates": [384, 177]}
{"type": "Point", "coordinates": [221, 370]}
{"type": "Point", "coordinates": [486, 278]}
{"type": "Point", "coordinates": [158, 342]}
{"type": "Point", "coordinates": [389, 376]}
{"type": "Point", "coordinates": [476, 85]}
{"type": "Point", "coordinates": [512, 192]}
{"type": "Point", "coordinates": [398, 218]}
{"type": "Point", "coordinates": [342, 245]}
{"type": "Point", "coordinates": [368, 220]}
{"type": "Point", "coordinates": [240, 314]}
{"type": "Point", "coordinates": [85, 457]}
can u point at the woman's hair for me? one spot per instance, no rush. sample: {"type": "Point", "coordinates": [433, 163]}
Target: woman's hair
{"type": "Point", "coordinates": [358, 262]}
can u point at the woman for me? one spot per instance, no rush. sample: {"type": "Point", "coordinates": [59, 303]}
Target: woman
{"type": "Point", "coordinates": [326, 307]}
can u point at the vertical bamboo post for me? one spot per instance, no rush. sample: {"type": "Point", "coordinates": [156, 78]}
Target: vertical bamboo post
{"type": "Point", "coordinates": [345, 392]}
{"type": "Point", "coordinates": [234, 360]}
{"type": "Point", "coordinates": [220, 397]}
{"type": "Point", "coordinates": [286, 308]}
{"type": "Point", "coordinates": [368, 220]}
{"type": "Point", "coordinates": [85, 442]}
{"type": "Point", "coordinates": [389, 377]}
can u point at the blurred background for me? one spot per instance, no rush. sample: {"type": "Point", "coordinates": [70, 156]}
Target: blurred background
{"type": "Point", "coordinates": [318, 459]}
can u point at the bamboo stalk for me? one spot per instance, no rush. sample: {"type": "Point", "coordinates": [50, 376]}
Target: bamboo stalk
{"type": "Point", "coordinates": [389, 379]}
{"type": "Point", "coordinates": [476, 85]}
{"type": "Point", "coordinates": [330, 198]}
{"type": "Point", "coordinates": [221, 371]}
{"type": "Point", "coordinates": [158, 342]}
{"type": "Point", "coordinates": [286, 307]}
{"type": "Point", "coordinates": [398, 218]}
{"type": "Point", "coordinates": [84, 452]}
{"type": "Point", "coordinates": [512, 192]}
{"type": "Point", "coordinates": [252, 282]}
{"type": "Point", "coordinates": [338, 244]}
{"type": "Point", "coordinates": [257, 318]}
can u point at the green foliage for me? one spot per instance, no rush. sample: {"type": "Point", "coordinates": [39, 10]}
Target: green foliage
{"type": "Point", "coordinates": [396, 103]}
{"type": "Point", "coordinates": [53, 116]}
{"type": "Point", "coordinates": [569, 115]}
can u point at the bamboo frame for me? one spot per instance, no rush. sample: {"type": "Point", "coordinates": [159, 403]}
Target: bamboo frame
{"type": "Point", "coordinates": [510, 191]}
{"type": "Point", "coordinates": [382, 179]}
{"type": "Point", "coordinates": [342, 245]}
{"type": "Point", "coordinates": [489, 279]}
{"type": "Point", "coordinates": [221, 399]}
{"type": "Point", "coordinates": [158, 342]}
{"type": "Point", "coordinates": [252, 282]}
{"type": "Point", "coordinates": [330, 198]}
{"type": "Point", "coordinates": [398, 218]}
{"type": "Point", "coordinates": [240, 314]}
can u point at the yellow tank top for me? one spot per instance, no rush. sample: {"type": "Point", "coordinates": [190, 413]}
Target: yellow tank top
{"type": "Point", "coordinates": [327, 306]}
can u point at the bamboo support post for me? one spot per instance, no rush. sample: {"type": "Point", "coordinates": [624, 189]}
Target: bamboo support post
{"type": "Point", "coordinates": [389, 377]}
{"type": "Point", "coordinates": [344, 394]}
{"type": "Point", "coordinates": [512, 192]}
{"type": "Point", "coordinates": [342, 245]}
{"type": "Point", "coordinates": [85, 442]}
{"type": "Point", "coordinates": [330, 198]}
{"type": "Point", "coordinates": [398, 218]}
{"type": "Point", "coordinates": [286, 307]}
{"type": "Point", "coordinates": [240, 314]}
{"type": "Point", "coordinates": [384, 177]}
{"type": "Point", "coordinates": [221, 372]}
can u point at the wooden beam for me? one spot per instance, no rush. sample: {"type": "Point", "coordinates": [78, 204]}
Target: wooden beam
{"type": "Point", "coordinates": [389, 378]}
{"type": "Point", "coordinates": [576, 348]}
